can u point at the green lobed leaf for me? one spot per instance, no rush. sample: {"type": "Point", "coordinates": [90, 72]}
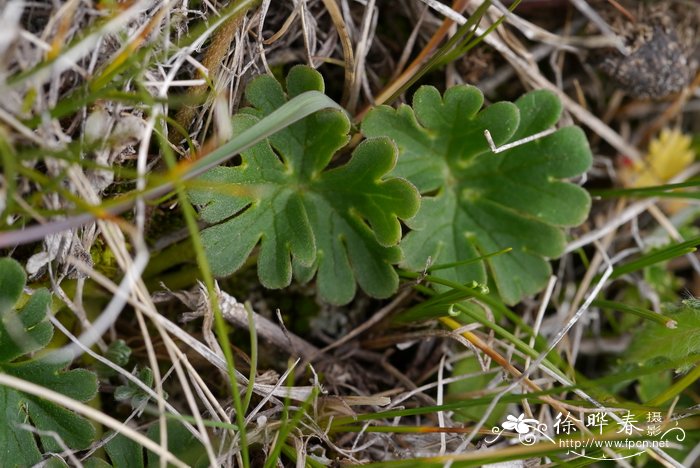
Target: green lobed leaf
{"type": "Point", "coordinates": [20, 333]}
{"type": "Point", "coordinates": [12, 281]}
{"type": "Point", "coordinates": [476, 202]}
{"type": "Point", "coordinates": [341, 224]}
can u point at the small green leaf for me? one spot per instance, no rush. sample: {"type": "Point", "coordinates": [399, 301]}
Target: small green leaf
{"type": "Point", "coordinates": [181, 443]}
{"type": "Point", "coordinates": [124, 452]}
{"type": "Point", "coordinates": [341, 224]}
{"type": "Point", "coordinates": [476, 202]}
{"type": "Point", "coordinates": [20, 333]}
{"type": "Point", "coordinates": [94, 462]}
{"type": "Point", "coordinates": [55, 462]}
{"type": "Point", "coordinates": [133, 392]}
{"type": "Point", "coordinates": [119, 353]}
{"type": "Point", "coordinates": [74, 430]}
{"type": "Point", "coordinates": [658, 342]}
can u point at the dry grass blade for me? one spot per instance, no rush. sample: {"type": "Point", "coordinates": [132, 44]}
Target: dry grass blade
{"type": "Point", "coordinates": [348, 52]}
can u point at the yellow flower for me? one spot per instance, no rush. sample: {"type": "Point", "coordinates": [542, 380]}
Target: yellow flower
{"type": "Point", "coordinates": [668, 155]}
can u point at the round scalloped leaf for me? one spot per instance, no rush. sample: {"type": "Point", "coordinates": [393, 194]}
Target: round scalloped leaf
{"type": "Point", "coordinates": [477, 202]}
{"type": "Point", "coordinates": [342, 223]}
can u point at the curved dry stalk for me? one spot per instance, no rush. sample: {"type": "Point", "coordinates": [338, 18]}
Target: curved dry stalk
{"type": "Point", "coordinates": [369, 23]}
{"type": "Point", "coordinates": [213, 60]}
{"type": "Point", "coordinates": [346, 43]}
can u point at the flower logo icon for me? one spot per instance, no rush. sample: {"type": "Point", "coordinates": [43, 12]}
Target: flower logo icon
{"type": "Point", "coordinates": [520, 424]}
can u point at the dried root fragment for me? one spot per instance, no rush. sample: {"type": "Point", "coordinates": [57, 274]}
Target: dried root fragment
{"type": "Point", "coordinates": [663, 51]}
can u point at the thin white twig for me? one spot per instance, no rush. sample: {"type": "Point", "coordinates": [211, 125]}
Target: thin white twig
{"type": "Point", "coordinates": [361, 50]}
{"type": "Point", "coordinates": [595, 18]}
{"type": "Point", "coordinates": [440, 399]}
{"type": "Point", "coordinates": [516, 143]}
{"type": "Point", "coordinates": [540, 314]}
{"type": "Point", "coordinates": [630, 212]}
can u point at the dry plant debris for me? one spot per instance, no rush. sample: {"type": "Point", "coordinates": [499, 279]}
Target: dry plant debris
{"type": "Point", "coordinates": [109, 106]}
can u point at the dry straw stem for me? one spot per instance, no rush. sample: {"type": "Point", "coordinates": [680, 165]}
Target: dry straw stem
{"type": "Point", "coordinates": [346, 43]}
{"type": "Point", "coordinates": [271, 332]}
{"type": "Point", "coordinates": [536, 33]}
{"type": "Point", "coordinates": [212, 61]}
{"type": "Point", "coordinates": [236, 314]}
{"type": "Point", "coordinates": [115, 240]}
{"type": "Point", "coordinates": [369, 22]}
{"type": "Point", "coordinates": [296, 393]}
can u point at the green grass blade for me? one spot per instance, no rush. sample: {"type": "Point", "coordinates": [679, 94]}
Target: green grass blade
{"type": "Point", "coordinates": [654, 191]}
{"type": "Point", "coordinates": [638, 311]}
{"type": "Point", "coordinates": [657, 256]}
{"type": "Point", "coordinates": [444, 266]}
